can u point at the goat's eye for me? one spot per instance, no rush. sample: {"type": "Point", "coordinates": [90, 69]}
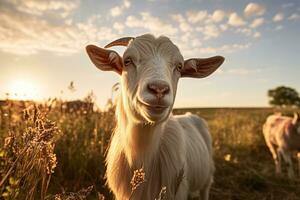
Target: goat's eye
{"type": "Point", "coordinates": [179, 66]}
{"type": "Point", "coordinates": [127, 61]}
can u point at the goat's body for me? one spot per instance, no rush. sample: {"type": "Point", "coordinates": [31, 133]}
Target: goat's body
{"type": "Point", "coordinates": [281, 138]}
{"type": "Point", "coordinates": [278, 131]}
{"type": "Point", "coordinates": [183, 145]}
{"type": "Point", "coordinates": [174, 151]}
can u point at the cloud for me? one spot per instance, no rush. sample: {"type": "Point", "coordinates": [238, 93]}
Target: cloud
{"type": "Point", "coordinates": [218, 15]}
{"type": "Point", "coordinates": [257, 22]}
{"type": "Point", "coordinates": [257, 35]}
{"type": "Point", "coordinates": [294, 16]}
{"type": "Point", "coordinates": [196, 16]}
{"type": "Point", "coordinates": [223, 27]}
{"type": "Point", "coordinates": [254, 9]}
{"type": "Point", "coordinates": [249, 32]}
{"type": "Point", "coordinates": [36, 7]}
{"type": "Point", "coordinates": [235, 20]}
{"type": "Point", "coordinates": [211, 31]}
{"type": "Point", "coordinates": [279, 27]}
{"type": "Point", "coordinates": [187, 51]}
{"type": "Point", "coordinates": [183, 24]}
{"type": "Point", "coordinates": [153, 24]}
{"type": "Point", "coordinates": [118, 27]}
{"type": "Point", "coordinates": [278, 17]}
{"type": "Point", "coordinates": [196, 42]}
{"type": "Point", "coordinates": [126, 3]}
{"type": "Point", "coordinates": [118, 10]}
{"type": "Point", "coordinates": [22, 32]}
{"type": "Point", "coordinates": [50, 5]}
{"type": "Point", "coordinates": [246, 31]}
{"type": "Point", "coordinates": [26, 33]}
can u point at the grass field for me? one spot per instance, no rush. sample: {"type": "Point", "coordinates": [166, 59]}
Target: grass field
{"type": "Point", "coordinates": [53, 153]}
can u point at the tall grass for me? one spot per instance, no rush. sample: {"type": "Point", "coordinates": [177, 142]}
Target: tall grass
{"type": "Point", "coordinates": [48, 152]}
{"type": "Point", "coordinates": [27, 157]}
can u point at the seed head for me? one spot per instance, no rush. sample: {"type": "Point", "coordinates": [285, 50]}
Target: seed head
{"type": "Point", "coordinates": [138, 178]}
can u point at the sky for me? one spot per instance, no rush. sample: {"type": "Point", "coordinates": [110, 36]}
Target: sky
{"type": "Point", "coordinates": [42, 46]}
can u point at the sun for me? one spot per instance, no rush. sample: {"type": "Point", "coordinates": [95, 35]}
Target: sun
{"type": "Point", "coordinates": [24, 90]}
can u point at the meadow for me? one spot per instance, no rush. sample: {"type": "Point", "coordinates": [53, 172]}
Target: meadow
{"type": "Point", "coordinates": [55, 150]}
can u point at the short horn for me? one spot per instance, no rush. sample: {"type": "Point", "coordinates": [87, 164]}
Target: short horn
{"type": "Point", "coordinates": [120, 42]}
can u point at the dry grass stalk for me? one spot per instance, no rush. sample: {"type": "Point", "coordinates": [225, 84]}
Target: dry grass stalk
{"type": "Point", "coordinates": [80, 195]}
{"type": "Point", "coordinates": [100, 196]}
{"type": "Point", "coordinates": [137, 179]}
{"type": "Point", "coordinates": [29, 158]}
{"type": "Point", "coordinates": [162, 194]}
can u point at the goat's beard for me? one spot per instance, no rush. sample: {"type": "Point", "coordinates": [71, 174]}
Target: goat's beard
{"type": "Point", "coordinates": [152, 115]}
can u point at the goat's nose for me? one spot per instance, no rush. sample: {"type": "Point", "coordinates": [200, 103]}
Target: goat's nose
{"type": "Point", "coordinates": [159, 88]}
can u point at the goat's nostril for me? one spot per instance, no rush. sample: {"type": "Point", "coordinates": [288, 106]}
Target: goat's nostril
{"type": "Point", "coordinates": [159, 89]}
{"type": "Point", "coordinates": [165, 90]}
{"type": "Point", "coordinates": [153, 89]}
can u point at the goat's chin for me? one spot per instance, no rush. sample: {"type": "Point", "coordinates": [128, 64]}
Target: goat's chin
{"type": "Point", "coordinates": [152, 114]}
{"type": "Point", "coordinates": [155, 117]}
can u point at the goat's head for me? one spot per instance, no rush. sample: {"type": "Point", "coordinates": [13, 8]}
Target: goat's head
{"type": "Point", "coordinates": [150, 69]}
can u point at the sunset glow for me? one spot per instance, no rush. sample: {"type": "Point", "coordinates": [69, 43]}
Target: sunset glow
{"type": "Point", "coordinates": [23, 90]}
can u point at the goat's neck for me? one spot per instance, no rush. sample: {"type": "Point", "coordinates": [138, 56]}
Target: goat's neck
{"type": "Point", "coordinates": [140, 141]}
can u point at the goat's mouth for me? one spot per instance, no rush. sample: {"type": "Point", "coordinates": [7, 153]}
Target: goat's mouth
{"type": "Point", "coordinates": [153, 109]}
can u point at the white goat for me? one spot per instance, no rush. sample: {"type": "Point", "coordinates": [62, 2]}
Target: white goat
{"type": "Point", "coordinates": [282, 135]}
{"type": "Point", "coordinates": [147, 135]}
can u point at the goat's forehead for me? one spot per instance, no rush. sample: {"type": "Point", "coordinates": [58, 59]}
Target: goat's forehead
{"type": "Point", "coordinates": [150, 46]}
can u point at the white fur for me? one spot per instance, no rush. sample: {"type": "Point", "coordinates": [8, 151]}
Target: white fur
{"type": "Point", "coordinates": [163, 144]}
{"type": "Point", "coordinates": [282, 138]}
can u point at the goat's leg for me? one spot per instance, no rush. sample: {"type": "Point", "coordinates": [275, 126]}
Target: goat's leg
{"type": "Point", "coordinates": [276, 158]}
{"type": "Point", "coordinates": [278, 162]}
{"type": "Point", "coordinates": [288, 161]}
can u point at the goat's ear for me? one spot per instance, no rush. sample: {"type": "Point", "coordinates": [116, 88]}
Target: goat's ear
{"type": "Point", "coordinates": [201, 67]}
{"type": "Point", "coordinates": [296, 118]}
{"type": "Point", "coordinates": [104, 59]}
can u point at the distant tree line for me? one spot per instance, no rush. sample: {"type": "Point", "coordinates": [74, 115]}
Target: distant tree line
{"type": "Point", "coordinates": [284, 96]}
